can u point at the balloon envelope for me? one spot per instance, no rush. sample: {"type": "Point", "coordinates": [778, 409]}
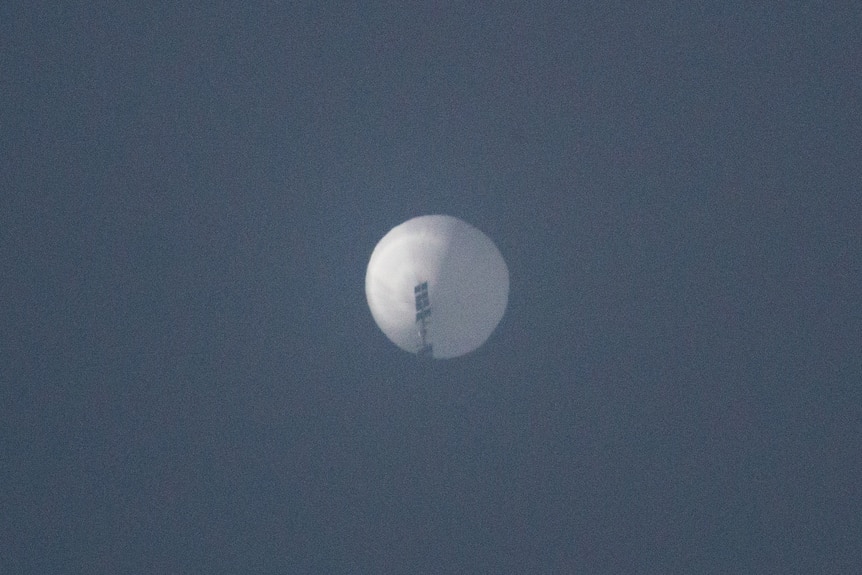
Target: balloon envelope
{"type": "Point", "coordinates": [437, 285]}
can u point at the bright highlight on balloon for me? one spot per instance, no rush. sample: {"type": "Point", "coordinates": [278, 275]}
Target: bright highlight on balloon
{"type": "Point", "coordinates": [437, 286]}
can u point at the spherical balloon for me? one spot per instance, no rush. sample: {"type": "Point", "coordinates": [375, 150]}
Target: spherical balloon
{"type": "Point", "coordinates": [437, 286]}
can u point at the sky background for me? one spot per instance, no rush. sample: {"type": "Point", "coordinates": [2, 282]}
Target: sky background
{"type": "Point", "coordinates": [190, 378]}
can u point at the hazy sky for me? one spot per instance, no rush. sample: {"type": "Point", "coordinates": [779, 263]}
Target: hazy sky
{"type": "Point", "coordinates": [190, 378]}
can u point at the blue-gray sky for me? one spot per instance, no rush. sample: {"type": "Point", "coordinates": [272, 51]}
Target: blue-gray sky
{"type": "Point", "coordinates": [192, 382]}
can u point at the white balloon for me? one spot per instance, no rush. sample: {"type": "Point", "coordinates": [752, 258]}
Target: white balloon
{"type": "Point", "coordinates": [467, 286]}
